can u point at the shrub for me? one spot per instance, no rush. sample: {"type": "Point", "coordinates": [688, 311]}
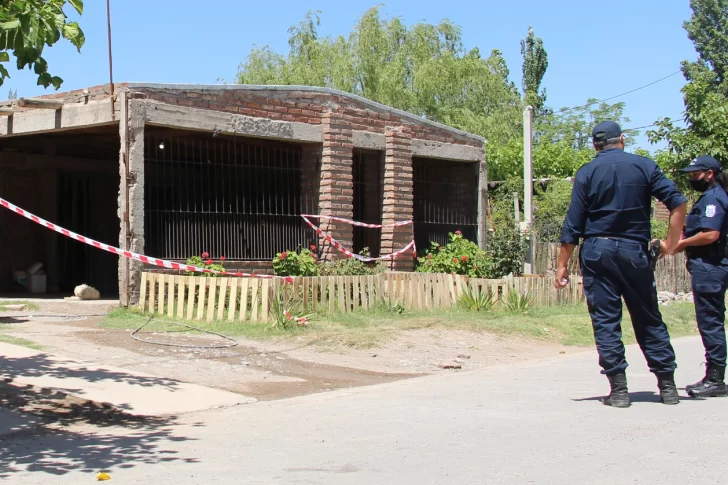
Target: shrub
{"type": "Point", "coordinates": [204, 261]}
{"type": "Point", "coordinates": [352, 266]}
{"type": "Point", "coordinates": [296, 263]}
{"type": "Point", "coordinates": [459, 256]}
{"type": "Point", "coordinates": [507, 248]}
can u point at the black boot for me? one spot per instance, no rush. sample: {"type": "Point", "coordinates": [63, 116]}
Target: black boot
{"type": "Point", "coordinates": [618, 397]}
{"type": "Point", "coordinates": [713, 385]}
{"type": "Point", "coordinates": [668, 389]}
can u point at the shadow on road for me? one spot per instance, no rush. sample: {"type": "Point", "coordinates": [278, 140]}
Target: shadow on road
{"type": "Point", "coordinates": [43, 431]}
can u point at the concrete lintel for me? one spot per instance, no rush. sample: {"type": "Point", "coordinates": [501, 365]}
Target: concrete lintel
{"type": "Point", "coordinates": [163, 114]}
{"type": "Point", "coordinates": [447, 151]}
{"type": "Point", "coordinates": [70, 117]}
{"type": "Point", "coordinates": [368, 140]}
{"type": "Point", "coordinates": [40, 103]}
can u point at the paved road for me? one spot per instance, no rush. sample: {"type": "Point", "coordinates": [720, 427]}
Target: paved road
{"type": "Point", "coordinates": [534, 423]}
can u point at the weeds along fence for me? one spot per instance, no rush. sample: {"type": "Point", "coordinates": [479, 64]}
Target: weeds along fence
{"type": "Point", "coordinates": [251, 300]}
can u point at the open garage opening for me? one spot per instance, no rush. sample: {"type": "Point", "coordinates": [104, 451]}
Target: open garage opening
{"type": "Point", "coordinates": [70, 178]}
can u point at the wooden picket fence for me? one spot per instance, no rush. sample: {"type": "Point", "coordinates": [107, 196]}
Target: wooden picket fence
{"type": "Point", "coordinates": [250, 299]}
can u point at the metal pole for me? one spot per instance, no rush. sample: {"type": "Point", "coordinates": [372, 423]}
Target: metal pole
{"type": "Point", "coordinates": [111, 63]}
{"type": "Point", "coordinates": [528, 185]}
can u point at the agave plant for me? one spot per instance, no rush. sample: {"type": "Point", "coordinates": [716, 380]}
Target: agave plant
{"type": "Point", "coordinates": [475, 300]}
{"type": "Point", "coordinates": [287, 313]}
{"type": "Point", "coordinates": [518, 303]}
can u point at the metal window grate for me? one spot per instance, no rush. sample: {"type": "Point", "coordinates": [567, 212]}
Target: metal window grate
{"type": "Point", "coordinates": [368, 172]}
{"type": "Point", "coordinates": [232, 197]}
{"type": "Point", "coordinates": [445, 196]}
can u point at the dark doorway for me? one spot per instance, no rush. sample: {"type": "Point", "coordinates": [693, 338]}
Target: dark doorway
{"type": "Point", "coordinates": [445, 200]}
{"type": "Point", "coordinates": [368, 173]}
{"type": "Point", "coordinates": [87, 205]}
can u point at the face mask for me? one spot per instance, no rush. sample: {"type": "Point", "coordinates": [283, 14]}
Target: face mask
{"type": "Point", "coordinates": [699, 185]}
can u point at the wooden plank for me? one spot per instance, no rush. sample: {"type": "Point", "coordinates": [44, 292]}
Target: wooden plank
{"type": "Point", "coordinates": [340, 282]}
{"type": "Point", "coordinates": [451, 288]}
{"type": "Point", "coordinates": [224, 282]}
{"type": "Point", "coordinates": [314, 293]}
{"type": "Point", "coordinates": [254, 290]}
{"type": "Point", "coordinates": [211, 299]}
{"type": "Point", "coordinates": [265, 301]}
{"type": "Point", "coordinates": [181, 284]}
{"type": "Point", "coordinates": [244, 285]}
{"type": "Point", "coordinates": [201, 297]}
{"type": "Point", "coordinates": [306, 296]}
{"type": "Point", "coordinates": [332, 293]}
{"type": "Point", "coordinates": [153, 279]}
{"type": "Point", "coordinates": [427, 295]}
{"type": "Point", "coordinates": [380, 281]}
{"type": "Point", "coordinates": [171, 283]}
{"type": "Point", "coordinates": [143, 291]}
{"type": "Point", "coordinates": [354, 293]}
{"type": "Point", "coordinates": [233, 299]}
{"type": "Point", "coordinates": [192, 284]}
{"type": "Point", "coordinates": [161, 296]}
{"type": "Point", "coordinates": [458, 287]}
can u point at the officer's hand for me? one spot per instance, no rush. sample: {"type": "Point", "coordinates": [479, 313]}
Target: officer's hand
{"type": "Point", "coordinates": [562, 278]}
{"type": "Point", "coordinates": [663, 250]}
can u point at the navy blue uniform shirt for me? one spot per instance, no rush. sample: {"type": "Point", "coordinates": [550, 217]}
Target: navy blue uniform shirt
{"type": "Point", "coordinates": [612, 196]}
{"type": "Point", "coordinates": [709, 212]}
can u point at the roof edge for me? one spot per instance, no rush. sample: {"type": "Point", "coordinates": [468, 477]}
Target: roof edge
{"type": "Point", "coordinates": [314, 89]}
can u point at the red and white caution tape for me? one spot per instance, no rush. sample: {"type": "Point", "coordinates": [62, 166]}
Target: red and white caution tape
{"type": "Point", "coordinates": [128, 254]}
{"type": "Point", "coordinates": [336, 244]}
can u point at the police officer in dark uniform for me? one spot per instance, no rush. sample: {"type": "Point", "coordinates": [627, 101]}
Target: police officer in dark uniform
{"type": "Point", "coordinates": [610, 210]}
{"type": "Point", "coordinates": [704, 243]}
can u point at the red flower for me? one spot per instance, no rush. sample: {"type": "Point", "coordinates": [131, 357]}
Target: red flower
{"type": "Point", "coordinates": [440, 248]}
{"type": "Point", "coordinates": [464, 258]}
{"type": "Point", "coordinates": [222, 258]}
{"type": "Point", "coordinates": [205, 255]}
{"type": "Point", "coordinates": [458, 233]}
{"type": "Point", "coordinates": [313, 247]}
{"type": "Point", "coordinates": [454, 260]}
{"type": "Point", "coordinates": [209, 262]}
{"type": "Point", "coordinates": [284, 255]}
{"type": "Point", "coordinates": [429, 256]}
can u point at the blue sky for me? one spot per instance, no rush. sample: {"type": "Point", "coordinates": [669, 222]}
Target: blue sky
{"type": "Point", "coordinates": [595, 50]}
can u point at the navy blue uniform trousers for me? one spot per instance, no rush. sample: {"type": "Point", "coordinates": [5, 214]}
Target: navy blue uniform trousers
{"type": "Point", "coordinates": [614, 269]}
{"type": "Point", "coordinates": [709, 285]}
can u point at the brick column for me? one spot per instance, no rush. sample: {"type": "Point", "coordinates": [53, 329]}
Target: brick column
{"type": "Point", "coordinates": [337, 185]}
{"type": "Point", "coordinates": [398, 197]}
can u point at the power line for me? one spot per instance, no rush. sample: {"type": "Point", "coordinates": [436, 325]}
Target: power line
{"type": "Point", "coordinates": [578, 138]}
{"type": "Point", "coordinates": [566, 110]}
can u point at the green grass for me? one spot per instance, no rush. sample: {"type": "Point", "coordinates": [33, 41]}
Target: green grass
{"type": "Point", "coordinates": [19, 341]}
{"type": "Point", "coordinates": [568, 325]}
{"type": "Point", "coordinates": [29, 306]}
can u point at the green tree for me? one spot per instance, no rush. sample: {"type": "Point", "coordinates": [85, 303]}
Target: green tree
{"type": "Point", "coordinates": [28, 26]}
{"type": "Point", "coordinates": [535, 63]}
{"type": "Point", "coordinates": [562, 142]}
{"type": "Point", "coordinates": [420, 68]}
{"type": "Point", "coordinates": [706, 92]}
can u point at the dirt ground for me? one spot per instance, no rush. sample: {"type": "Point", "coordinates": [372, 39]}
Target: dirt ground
{"type": "Point", "coordinates": [266, 370]}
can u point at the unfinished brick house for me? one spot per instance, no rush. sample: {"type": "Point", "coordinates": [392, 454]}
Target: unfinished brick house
{"type": "Point", "coordinates": [171, 171]}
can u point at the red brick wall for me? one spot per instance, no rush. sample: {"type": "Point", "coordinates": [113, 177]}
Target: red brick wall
{"type": "Point", "coordinates": [398, 197]}
{"type": "Point", "coordinates": [337, 185]}
{"type": "Point", "coordinates": [303, 107]}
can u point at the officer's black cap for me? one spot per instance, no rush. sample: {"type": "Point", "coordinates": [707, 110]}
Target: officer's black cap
{"type": "Point", "coordinates": [703, 163]}
{"type": "Point", "coordinates": [606, 130]}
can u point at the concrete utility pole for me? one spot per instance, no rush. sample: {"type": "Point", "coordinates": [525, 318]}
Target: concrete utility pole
{"type": "Point", "coordinates": [529, 265]}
